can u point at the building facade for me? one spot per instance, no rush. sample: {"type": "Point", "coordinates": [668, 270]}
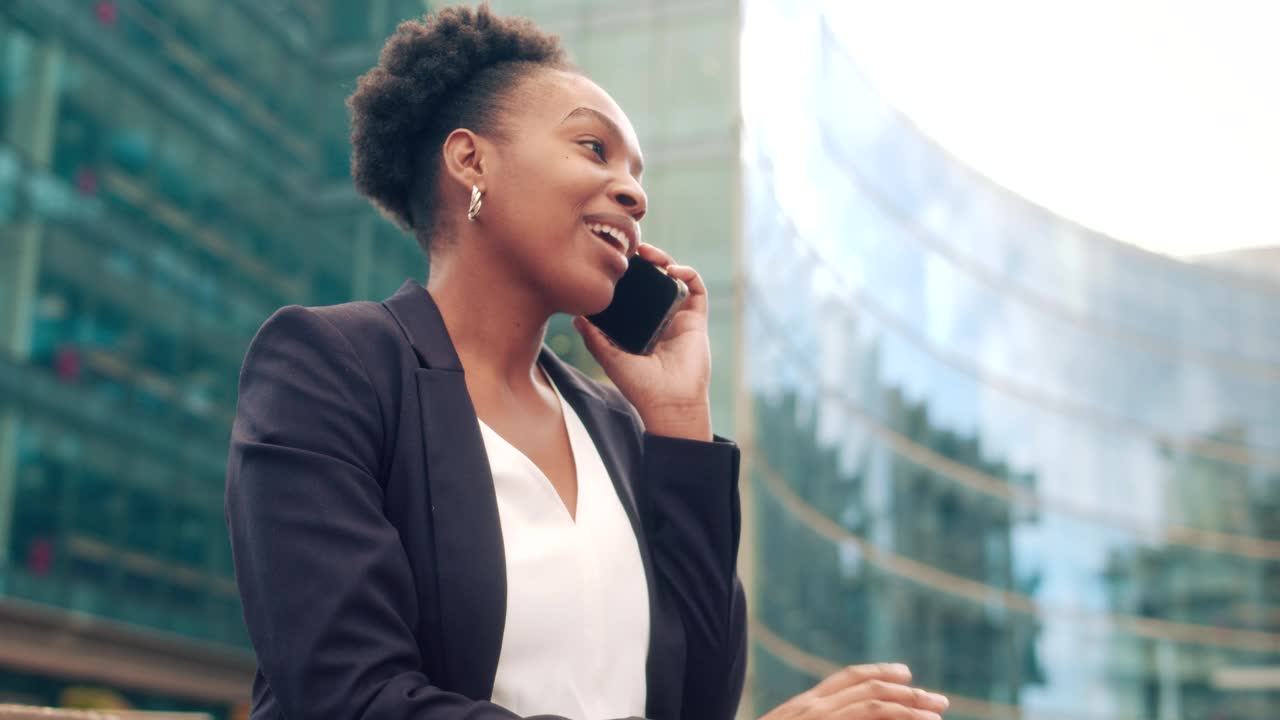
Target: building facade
{"type": "Point", "coordinates": [1257, 264]}
{"type": "Point", "coordinates": [164, 186]}
{"type": "Point", "coordinates": [1036, 464]}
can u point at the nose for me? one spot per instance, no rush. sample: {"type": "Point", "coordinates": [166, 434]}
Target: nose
{"type": "Point", "coordinates": [631, 196]}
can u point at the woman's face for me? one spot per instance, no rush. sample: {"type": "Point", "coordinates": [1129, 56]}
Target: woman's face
{"type": "Point", "coordinates": [563, 199]}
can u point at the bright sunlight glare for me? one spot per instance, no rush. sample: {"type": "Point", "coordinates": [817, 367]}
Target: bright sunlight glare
{"type": "Point", "coordinates": [1155, 122]}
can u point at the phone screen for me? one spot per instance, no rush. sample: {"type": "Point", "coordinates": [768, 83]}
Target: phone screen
{"type": "Point", "coordinates": [644, 300]}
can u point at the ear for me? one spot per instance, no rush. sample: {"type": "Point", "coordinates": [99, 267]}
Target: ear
{"type": "Point", "coordinates": [464, 158]}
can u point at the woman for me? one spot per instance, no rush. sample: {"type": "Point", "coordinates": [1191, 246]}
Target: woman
{"type": "Point", "coordinates": [414, 541]}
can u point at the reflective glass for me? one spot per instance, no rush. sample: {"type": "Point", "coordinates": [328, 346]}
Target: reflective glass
{"type": "Point", "coordinates": [1037, 465]}
{"type": "Point", "coordinates": [171, 197]}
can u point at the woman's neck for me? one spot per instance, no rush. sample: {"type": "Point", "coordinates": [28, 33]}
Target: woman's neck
{"type": "Point", "coordinates": [497, 326]}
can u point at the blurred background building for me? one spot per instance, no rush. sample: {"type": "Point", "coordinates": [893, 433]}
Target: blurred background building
{"type": "Point", "coordinates": [1040, 466]}
{"type": "Point", "coordinates": [1262, 263]}
{"type": "Point", "coordinates": [170, 173]}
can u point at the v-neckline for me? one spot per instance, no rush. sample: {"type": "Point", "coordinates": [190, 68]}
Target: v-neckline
{"type": "Point", "coordinates": [572, 516]}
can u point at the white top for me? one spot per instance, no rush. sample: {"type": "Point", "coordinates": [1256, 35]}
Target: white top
{"type": "Point", "coordinates": [577, 628]}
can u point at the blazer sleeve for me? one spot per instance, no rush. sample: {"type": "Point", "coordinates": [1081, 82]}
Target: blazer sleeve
{"type": "Point", "coordinates": [694, 521]}
{"type": "Point", "coordinates": [327, 589]}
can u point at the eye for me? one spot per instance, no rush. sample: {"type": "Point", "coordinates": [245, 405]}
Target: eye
{"type": "Point", "coordinates": [595, 146]}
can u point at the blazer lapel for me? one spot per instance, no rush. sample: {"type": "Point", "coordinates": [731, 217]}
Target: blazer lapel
{"type": "Point", "coordinates": [616, 439]}
{"type": "Point", "coordinates": [610, 430]}
{"type": "Point", "coordinates": [470, 558]}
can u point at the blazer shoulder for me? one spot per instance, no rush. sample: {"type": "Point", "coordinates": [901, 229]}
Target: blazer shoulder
{"type": "Point", "coordinates": [367, 326]}
{"type": "Point", "coordinates": [351, 320]}
{"type": "Point", "coordinates": [362, 329]}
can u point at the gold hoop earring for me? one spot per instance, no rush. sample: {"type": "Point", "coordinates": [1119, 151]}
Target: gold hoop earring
{"type": "Point", "coordinates": [476, 202]}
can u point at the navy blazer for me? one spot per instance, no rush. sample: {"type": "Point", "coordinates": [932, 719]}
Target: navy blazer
{"type": "Point", "coordinates": [366, 537]}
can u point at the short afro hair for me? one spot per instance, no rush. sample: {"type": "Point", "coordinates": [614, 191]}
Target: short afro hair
{"type": "Point", "coordinates": [450, 70]}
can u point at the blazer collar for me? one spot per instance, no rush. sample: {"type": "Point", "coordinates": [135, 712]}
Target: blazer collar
{"type": "Point", "coordinates": [419, 316]}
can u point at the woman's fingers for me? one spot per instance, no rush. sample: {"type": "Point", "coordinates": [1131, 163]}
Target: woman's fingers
{"type": "Point", "coordinates": [854, 675]}
{"type": "Point", "coordinates": [663, 259]}
{"type": "Point", "coordinates": [598, 344]}
{"type": "Point", "coordinates": [697, 300]}
{"type": "Point", "coordinates": [864, 692]}
{"type": "Point", "coordinates": [697, 288]}
{"type": "Point", "coordinates": [689, 276]}
{"type": "Point", "coordinates": [653, 254]}
{"type": "Point", "coordinates": [883, 691]}
{"type": "Point", "coordinates": [878, 710]}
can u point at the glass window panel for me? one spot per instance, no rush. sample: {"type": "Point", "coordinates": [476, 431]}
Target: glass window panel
{"type": "Point", "coordinates": [40, 484]}
{"type": "Point", "coordinates": [16, 53]}
{"type": "Point", "coordinates": [696, 62]}
{"type": "Point", "coordinates": [621, 63]}
{"type": "Point", "coordinates": [689, 204]}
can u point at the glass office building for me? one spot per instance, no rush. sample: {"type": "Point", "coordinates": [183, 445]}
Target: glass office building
{"type": "Point", "coordinates": [171, 171]}
{"type": "Point", "coordinates": [1038, 465]}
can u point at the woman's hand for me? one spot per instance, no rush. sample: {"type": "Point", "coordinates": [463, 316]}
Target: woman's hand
{"type": "Point", "coordinates": [669, 387]}
{"type": "Point", "coordinates": [863, 692]}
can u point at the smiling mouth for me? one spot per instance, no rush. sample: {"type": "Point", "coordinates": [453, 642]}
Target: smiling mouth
{"type": "Point", "coordinates": [615, 237]}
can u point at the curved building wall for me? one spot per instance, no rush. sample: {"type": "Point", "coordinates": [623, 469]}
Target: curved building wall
{"type": "Point", "coordinates": [1038, 465]}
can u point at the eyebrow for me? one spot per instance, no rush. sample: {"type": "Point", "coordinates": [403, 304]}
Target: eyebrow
{"type": "Point", "coordinates": [607, 122]}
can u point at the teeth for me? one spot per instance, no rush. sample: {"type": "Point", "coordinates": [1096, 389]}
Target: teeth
{"type": "Point", "coordinates": [613, 232]}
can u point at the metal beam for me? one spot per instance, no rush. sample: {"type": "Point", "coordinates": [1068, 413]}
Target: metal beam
{"type": "Point", "coordinates": [59, 642]}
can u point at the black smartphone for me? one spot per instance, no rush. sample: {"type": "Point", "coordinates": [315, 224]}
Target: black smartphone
{"type": "Point", "coordinates": [644, 301]}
